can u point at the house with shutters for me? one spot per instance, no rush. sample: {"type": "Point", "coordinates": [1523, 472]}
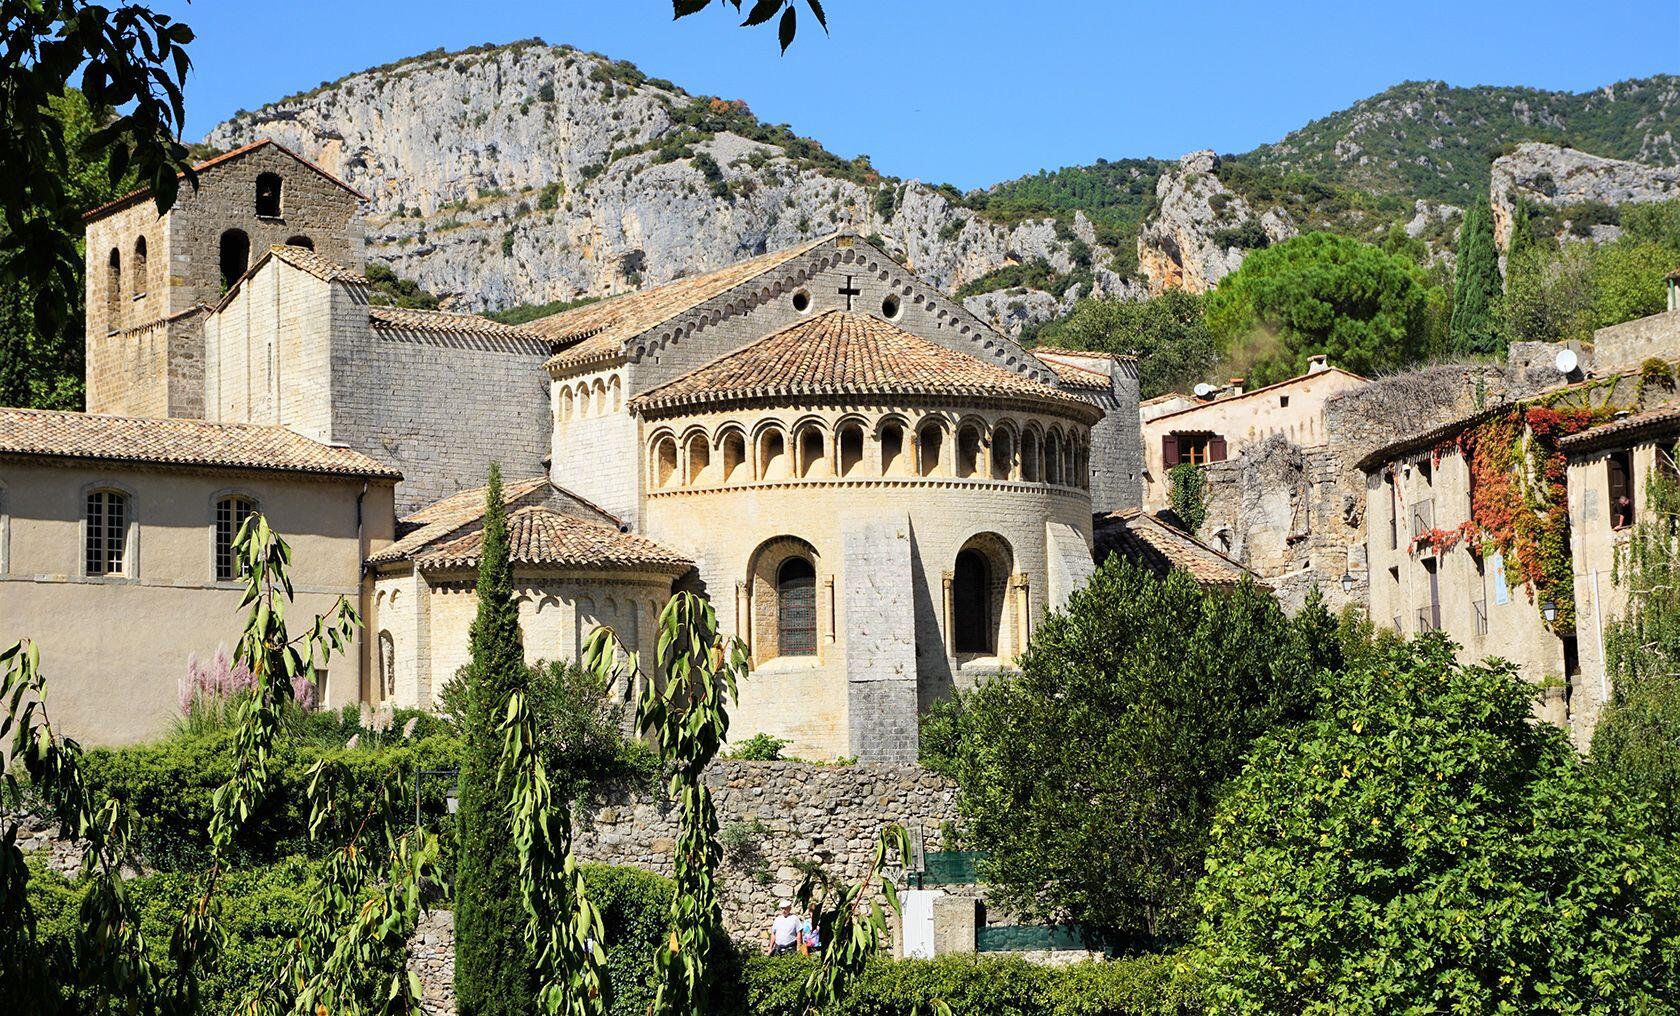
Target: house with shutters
{"type": "Point", "coordinates": [1197, 430]}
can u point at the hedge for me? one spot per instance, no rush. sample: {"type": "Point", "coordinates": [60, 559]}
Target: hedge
{"type": "Point", "coordinates": [996, 986]}
{"type": "Point", "coordinates": [169, 786]}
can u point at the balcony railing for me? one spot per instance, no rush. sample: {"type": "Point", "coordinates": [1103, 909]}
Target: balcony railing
{"type": "Point", "coordinates": [1481, 617]}
{"type": "Point", "coordinates": [1423, 517]}
{"type": "Point", "coordinates": [1429, 618]}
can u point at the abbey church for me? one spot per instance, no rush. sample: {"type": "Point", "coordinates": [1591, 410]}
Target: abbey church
{"type": "Point", "coordinates": [879, 493]}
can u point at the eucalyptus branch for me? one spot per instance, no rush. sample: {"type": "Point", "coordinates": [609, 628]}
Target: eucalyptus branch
{"type": "Point", "coordinates": [110, 946]}
{"type": "Point", "coordinates": [685, 709]}
{"type": "Point", "coordinates": [563, 926]}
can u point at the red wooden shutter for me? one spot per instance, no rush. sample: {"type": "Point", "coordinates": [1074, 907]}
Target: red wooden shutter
{"type": "Point", "coordinates": [1169, 450]}
{"type": "Point", "coordinates": [1216, 448]}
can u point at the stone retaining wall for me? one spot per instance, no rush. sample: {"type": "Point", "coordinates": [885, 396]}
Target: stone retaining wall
{"type": "Point", "coordinates": [774, 815]}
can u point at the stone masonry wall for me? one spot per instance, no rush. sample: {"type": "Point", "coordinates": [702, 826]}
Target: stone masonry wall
{"type": "Point", "coordinates": [785, 812]}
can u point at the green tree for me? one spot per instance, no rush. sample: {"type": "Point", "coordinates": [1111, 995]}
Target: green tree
{"type": "Point", "coordinates": [1421, 844]}
{"type": "Point", "coordinates": [493, 961]}
{"type": "Point", "coordinates": [1319, 293]}
{"type": "Point", "coordinates": [1637, 740]}
{"type": "Point", "coordinates": [127, 59]}
{"type": "Point", "coordinates": [1475, 316]}
{"type": "Point", "coordinates": [1627, 280]}
{"type": "Point", "coordinates": [1090, 776]}
{"type": "Point", "coordinates": [1168, 334]}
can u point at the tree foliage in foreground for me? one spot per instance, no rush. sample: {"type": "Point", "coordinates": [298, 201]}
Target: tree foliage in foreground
{"type": "Point", "coordinates": [1421, 844]}
{"type": "Point", "coordinates": [1090, 776]}
{"type": "Point", "coordinates": [1320, 293]}
{"type": "Point", "coordinates": [1476, 326]}
{"type": "Point", "coordinates": [1637, 740]}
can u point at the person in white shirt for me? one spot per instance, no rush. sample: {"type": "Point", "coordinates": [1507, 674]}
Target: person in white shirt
{"type": "Point", "coordinates": [784, 933]}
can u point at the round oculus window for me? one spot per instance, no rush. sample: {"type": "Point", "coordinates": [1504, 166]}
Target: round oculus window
{"type": "Point", "coordinates": [802, 301]}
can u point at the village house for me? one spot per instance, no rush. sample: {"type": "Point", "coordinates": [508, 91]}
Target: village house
{"type": "Point", "coordinates": [1198, 431]}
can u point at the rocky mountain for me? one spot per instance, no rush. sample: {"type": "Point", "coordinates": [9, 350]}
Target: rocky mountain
{"type": "Point", "coordinates": [1577, 189]}
{"type": "Point", "coordinates": [530, 174]}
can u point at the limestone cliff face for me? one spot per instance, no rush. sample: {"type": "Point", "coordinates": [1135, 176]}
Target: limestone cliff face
{"type": "Point", "coordinates": [1182, 246]}
{"type": "Point", "coordinates": [532, 173]}
{"type": "Point", "coordinates": [1542, 174]}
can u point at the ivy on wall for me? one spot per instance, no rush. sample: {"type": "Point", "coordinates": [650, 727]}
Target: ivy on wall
{"type": "Point", "coordinates": [1187, 491]}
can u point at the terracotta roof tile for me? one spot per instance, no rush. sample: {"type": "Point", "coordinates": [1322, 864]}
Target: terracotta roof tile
{"type": "Point", "coordinates": [599, 331]}
{"type": "Point", "coordinates": [469, 326]}
{"type": "Point", "coordinates": [1075, 376]}
{"type": "Point", "coordinates": [51, 434]}
{"type": "Point", "coordinates": [440, 519]}
{"type": "Point", "coordinates": [542, 536]}
{"type": "Point", "coordinates": [1149, 541]}
{"type": "Point", "coordinates": [843, 353]}
{"type": "Point", "coordinates": [137, 195]}
{"type": "Point", "coordinates": [318, 265]}
{"type": "Point", "coordinates": [1087, 354]}
{"type": "Point", "coordinates": [1627, 428]}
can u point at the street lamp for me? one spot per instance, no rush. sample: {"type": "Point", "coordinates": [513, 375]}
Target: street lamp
{"type": "Point", "coordinates": [451, 800]}
{"type": "Point", "coordinates": [1548, 610]}
{"type": "Point", "coordinates": [1347, 582]}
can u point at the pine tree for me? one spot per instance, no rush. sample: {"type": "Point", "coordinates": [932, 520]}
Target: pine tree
{"type": "Point", "coordinates": [493, 964]}
{"type": "Point", "coordinates": [1475, 325]}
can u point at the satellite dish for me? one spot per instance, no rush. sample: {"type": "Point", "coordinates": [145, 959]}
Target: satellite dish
{"type": "Point", "coordinates": [1567, 361]}
{"type": "Point", "coordinates": [1202, 389]}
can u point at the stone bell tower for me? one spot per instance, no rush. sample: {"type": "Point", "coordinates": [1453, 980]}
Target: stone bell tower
{"type": "Point", "coordinates": [151, 279]}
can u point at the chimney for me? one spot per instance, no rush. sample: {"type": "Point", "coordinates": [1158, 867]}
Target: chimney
{"type": "Point", "coordinates": [1318, 364]}
{"type": "Point", "coordinates": [1235, 387]}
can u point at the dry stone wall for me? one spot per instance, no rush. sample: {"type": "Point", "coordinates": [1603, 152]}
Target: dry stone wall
{"type": "Point", "coordinates": [775, 815]}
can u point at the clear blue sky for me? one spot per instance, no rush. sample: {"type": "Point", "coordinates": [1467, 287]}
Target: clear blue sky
{"type": "Point", "coordinates": [975, 91]}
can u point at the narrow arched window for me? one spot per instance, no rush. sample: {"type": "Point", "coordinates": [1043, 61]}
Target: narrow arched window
{"type": "Point", "coordinates": [107, 532]}
{"type": "Point", "coordinates": [796, 607]}
{"type": "Point", "coordinates": [300, 241]}
{"type": "Point", "coordinates": [892, 449]}
{"type": "Point", "coordinates": [231, 513]}
{"type": "Point", "coordinates": [932, 448]}
{"type": "Point", "coordinates": [1003, 453]}
{"type": "Point", "coordinates": [851, 448]}
{"type": "Point", "coordinates": [812, 453]}
{"type": "Point", "coordinates": [734, 454]}
{"type": "Point", "coordinates": [268, 195]}
{"type": "Point", "coordinates": [971, 583]}
{"type": "Point", "coordinates": [664, 461]}
{"type": "Point", "coordinates": [968, 451]}
{"type": "Point", "coordinates": [699, 457]}
{"type": "Point", "coordinates": [113, 291]}
{"type": "Point", "coordinates": [1053, 458]}
{"type": "Point", "coordinates": [234, 255]}
{"type": "Point", "coordinates": [139, 267]}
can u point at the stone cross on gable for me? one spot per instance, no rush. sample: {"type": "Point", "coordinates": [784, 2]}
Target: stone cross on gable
{"type": "Point", "coordinates": [848, 291]}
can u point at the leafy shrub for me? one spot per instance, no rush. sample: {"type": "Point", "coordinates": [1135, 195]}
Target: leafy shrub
{"type": "Point", "coordinates": [1422, 837]}
{"type": "Point", "coordinates": [388, 288]}
{"type": "Point", "coordinates": [760, 747]}
{"type": "Point", "coordinates": [995, 986]}
{"type": "Point", "coordinates": [634, 906]}
{"type": "Point", "coordinates": [1246, 235]}
{"type": "Point", "coordinates": [1187, 490]}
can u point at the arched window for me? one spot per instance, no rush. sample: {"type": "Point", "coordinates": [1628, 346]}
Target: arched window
{"type": "Point", "coordinates": [734, 454]}
{"type": "Point", "coordinates": [772, 456]}
{"type": "Point", "coordinates": [664, 461]}
{"type": "Point", "coordinates": [813, 453]}
{"type": "Point", "coordinates": [968, 451]}
{"type": "Point", "coordinates": [235, 256]}
{"type": "Point", "coordinates": [971, 594]}
{"type": "Point", "coordinates": [567, 406]}
{"type": "Point", "coordinates": [796, 607]}
{"type": "Point", "coordinates": [139, 269]}
{"type": "Point", "coordinates": [893, 459]}
{"type": "Point", "coordinates": [699, 457]}
{"type": "Point", "coordinates": [113, 291]}
{"type": "Point", "coordinates": [851, 448]}
{"type": "Point", "coordinates": [1029, 457]}
{"type": "Point", "coordinates": [231, 513]}
{"type": "Point", "coordinates": [387, 665]}
{"type": "Point", "coordinates": [268, 195]}
{"type": "Point", "coordinates": [1053, 458]}
{"type": "Point", "coordinates": [932, 441]}
{"type": "Point", "coordinates": [107, 532]}
{"type": "Point", "coordinates": [1003, 452]}
{"type": "Point", "coordinates": [300, 241]}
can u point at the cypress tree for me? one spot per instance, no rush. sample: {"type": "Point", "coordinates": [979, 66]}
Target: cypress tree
{"type": "Point", "coordinates": [493, 965]}
{"type": "Point", "coordinates": [1475, 317]}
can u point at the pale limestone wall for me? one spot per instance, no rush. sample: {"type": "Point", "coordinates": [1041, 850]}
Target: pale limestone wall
{"type": "Point", "coordinates": [594, 438]}
{"type": "Point", "coordinates": [430, 619]}
{"type": "Point", "coordinates": [1627, 345]}
{"type": "Point", "coordinates": [1035, 535]}
{"type": "Point", "coordinates": [1400, 579]}
{"type": "Point", "coordinates": [1600, 600]}
{"type": "Point", "coordinates": [114, 649]}
{"type": "Point", "coordinates": [1293, 408]}
{"type": "Point", "coordinates": [268, 352]}
{"type": "Point", "coordinates": [438, 408]}
{"type": "Point", "coordinates": [136, 369]}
